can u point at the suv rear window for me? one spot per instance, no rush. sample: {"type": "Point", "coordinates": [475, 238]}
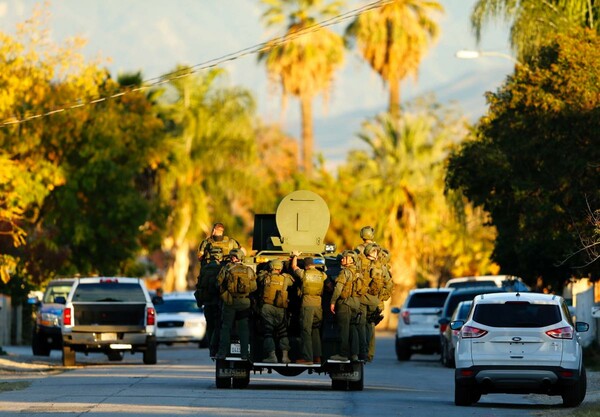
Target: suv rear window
{"type": "Point", "coordinates": [427, 299]}
{"type": "Point", "coordinates": [472, 284]}
{"type": "Point", "coordinates": [109, 292]}
{"type": "Point", "coordinates": [517, 315]}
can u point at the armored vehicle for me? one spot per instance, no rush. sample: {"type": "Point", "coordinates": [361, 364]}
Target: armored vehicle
{"type": "Point", "coordinates": [299, 225]}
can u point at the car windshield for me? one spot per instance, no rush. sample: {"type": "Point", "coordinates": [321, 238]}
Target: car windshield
{"type": "Point", "coordinates": [427, 299]}
{"type": "Point", "coordinates": [56, 291]}
{"type": "Point", "coordinates": [517, 315]}
{"type": "Point", "coordinates": [177, 306]}
{"type": "Point", "coordinates": [109, 292]}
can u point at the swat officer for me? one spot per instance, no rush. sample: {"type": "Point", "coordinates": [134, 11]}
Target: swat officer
{"type": "Point", "coordinates": [311, 313]}
{"type": "Point", "coordinates": [369, 300]}
{"type": "Point", "coordinates": [217, 239]}
{"type": "Point", "coordinates": [345, 305]}
{"type": "Point", "coordinates": [207, 297]}
{"type": "Point", "coordinates": [236, 282]}
{"type": "Point", "coordinates": [367, 234]}
{"type": "Point", "coordinates": [273, 287]}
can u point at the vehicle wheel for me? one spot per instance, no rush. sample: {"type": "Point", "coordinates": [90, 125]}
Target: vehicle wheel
{"type": "Point", "coordinates": [68, 356]}
{"type": "Point", "coordinates": [444, 355]}
{"type": "Point", "coordinates": [115, 355]}
{"type": "Point", "coordinates": [403, 351]}
{"type": "Point", "coordinates": [150, 353]}
{"type": "Point", "coordinates": [240, 382]}
{"type": "Point", "coordinates": [360, 384]}
{"type": "Point", "coordinates": [338, 385]}
{"type": "Point", "coordinates": [462, 395]}
{"type": "Point", "coordinates": [223, 382]}
{"type": "Point", "coordinates": [475, 395]}
{"type": "Point", "coordinates": [450, 357]}
{"type": "Point", "coordinates": [39, 345]}
{"type": "Point", "coordinates": [573, 395]}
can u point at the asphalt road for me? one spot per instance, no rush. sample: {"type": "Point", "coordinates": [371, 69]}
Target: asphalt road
{"type": "Point", "coordinates": [182, 384]}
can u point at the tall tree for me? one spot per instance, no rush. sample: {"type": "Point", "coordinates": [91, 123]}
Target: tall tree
{"type": "Point", "coordinates": [213, 145]}
{"type": "Point", "coordinates": [304, 65]}
{"type": "Point", "coordinates": [533, 21]}
{"type": "Point", "coordinates": [394, 38]}
{"type": "Point", "coordinates": [397, 186]}
{"type": "Point", "coordinates": [533, 164]}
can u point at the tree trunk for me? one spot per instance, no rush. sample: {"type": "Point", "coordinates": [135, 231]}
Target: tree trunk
{"type": "Point", "coordinates": [178, 247]}
{"type": "Point", "coordinates": [307, 134]}
{"type": "Point", "coordinates": [394, 105]}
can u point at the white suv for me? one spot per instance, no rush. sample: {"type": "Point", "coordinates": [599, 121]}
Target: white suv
{"type": "Point", "coordinates": [418, 327]}
{"type": "Point", "coordinates": [519, 343]}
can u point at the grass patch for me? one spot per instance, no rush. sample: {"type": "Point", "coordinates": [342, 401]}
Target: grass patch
{"type": "Point", "coordinates": [585, 410]}
{"type": "Point", "coordinates": [14, 386]}
{"type": "Point", "coordinates": [591, 357]}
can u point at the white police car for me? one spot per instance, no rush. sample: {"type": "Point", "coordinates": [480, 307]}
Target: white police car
{"type": "Point", "coordinates": [179, 320]}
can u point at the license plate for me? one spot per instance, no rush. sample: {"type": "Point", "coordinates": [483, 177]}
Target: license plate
{"type": "Point", "coordinates": [236, 348]}
{"type": "Point", "coordinates": [108, 336]}
{"type": "Point", "coordinates": [170, 333]}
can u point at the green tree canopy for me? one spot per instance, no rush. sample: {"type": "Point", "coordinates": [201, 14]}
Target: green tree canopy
{"type": "Point", "coordinates": [533, 164]}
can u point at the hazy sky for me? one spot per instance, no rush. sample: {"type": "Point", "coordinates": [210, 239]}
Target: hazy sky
{"type": "Point", "coordinates": [153, 36]}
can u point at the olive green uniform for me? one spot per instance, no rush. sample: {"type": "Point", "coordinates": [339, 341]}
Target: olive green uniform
{"type": "Point", "coordinates": [311, 312]}
{"type": "Point", "coordinates": [347, 305]}
{"type": "Point", "coordinates": [236, 307]}
{"type": "Point", "coordinates": [274, 301]}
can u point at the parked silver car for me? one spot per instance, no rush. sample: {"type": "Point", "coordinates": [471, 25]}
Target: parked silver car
{"type": "Point", "coordinates": [519, 343]}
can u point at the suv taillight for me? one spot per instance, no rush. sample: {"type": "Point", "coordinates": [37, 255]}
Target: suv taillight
{"type": "Point", "coordinates": [561, 333]}
{"type": "Point", "coordinates": [150, 316]}
{"type": "Point", "coordinates": [470, 332]}
{"type": "Point", "coordinates": [406, 317]}
{"type": "Point", "coordinates": [67, 316]}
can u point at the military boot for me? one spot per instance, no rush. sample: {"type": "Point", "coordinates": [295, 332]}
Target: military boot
{"type": "Point", "coordinates": [272, 358]}
{"type": "Point", "coordinates": [284, 357]}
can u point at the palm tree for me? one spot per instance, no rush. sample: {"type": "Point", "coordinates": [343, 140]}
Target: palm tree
{"type": "Point", "coordinates": [303, 65]}
{"type": "Point", "coordinates": [212, 139]}
{"type": "Point", "coordinates": [393, 40]}
{"type": "Point", "coordinates": [533, 21]}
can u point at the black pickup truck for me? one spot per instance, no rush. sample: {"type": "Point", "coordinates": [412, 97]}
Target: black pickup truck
{"type": "Point", "coordinates": [109, 315]}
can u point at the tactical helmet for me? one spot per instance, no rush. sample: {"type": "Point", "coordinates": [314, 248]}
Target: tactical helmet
{"type": "Point", "coordinates": [309, 260]}
{"type": "Point", "coordinates": [385, 255]}
{"type": "Point", "coordinates": [371, 247]}
{"type": "Point", "coordinates": [276, 264]}
{"type": "Point", "coordinates": [237, 253]}
{"type": "Point", "coordinates": [350, 254]}
{"type": "Point", "coordinates": [367, 232]}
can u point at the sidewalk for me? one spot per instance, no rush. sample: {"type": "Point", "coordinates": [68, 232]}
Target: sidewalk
{"type": "Point", "coordinates": [21, 359]}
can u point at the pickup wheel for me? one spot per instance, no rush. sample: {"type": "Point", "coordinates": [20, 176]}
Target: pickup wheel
{"type": "Point", "coordinates": [150, 353]}
{"type": "Point", "coordinates": [68, 356]}
{"type": "Point", "coordinates": [39, 345]}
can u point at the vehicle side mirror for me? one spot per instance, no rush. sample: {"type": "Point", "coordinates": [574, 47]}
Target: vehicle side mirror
{"type": "Point", "coordinates": [395, 310]}
{"type": "Point", "coordinates": [456, 325]}
{"type": "Point", "coordinates": [581, 326]}
{"type": "Point", "coordinates": [443, 321]}
{"type": "Point", "coordinates": [33, 301]}
{"type": "Point", "coordinates": [59, 299]}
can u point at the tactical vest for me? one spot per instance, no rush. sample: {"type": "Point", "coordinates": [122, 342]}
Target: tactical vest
{"type": "Point", "coordinates": [275, 290]}
{"type": "Point", "coordinates": [312, 282]}
{"type": "Point", "coordinates": [225, 245]}
{"type": "Point", "coordinates": [377, 280]}
{"type": "Point", "coordinates": [352, 286]}
{"type": "Point", "coordinates": [238, 280]}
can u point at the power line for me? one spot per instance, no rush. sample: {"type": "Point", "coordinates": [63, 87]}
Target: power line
{"type": "Point", "coordinates": [166, 78]}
